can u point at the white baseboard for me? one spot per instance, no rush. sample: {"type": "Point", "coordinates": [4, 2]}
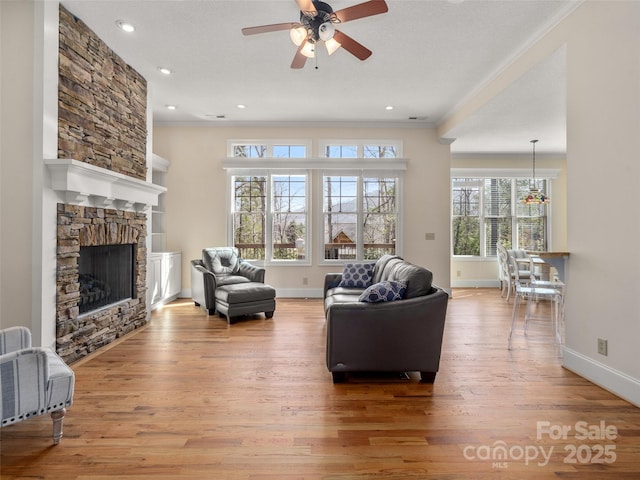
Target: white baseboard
{"type": "Point", "coordinates": [618, 383]}
{"type": "Point", "coordinates": [299, 292]}
{"type": "Point", "coordinates": [164, 302]}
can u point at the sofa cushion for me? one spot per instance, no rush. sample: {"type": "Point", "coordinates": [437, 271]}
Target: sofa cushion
{"type": "Point", "coordinates": [381, 264]}
{"type": "Point", "coordinates": [356, 275]}
{"type": "Point", "coordinates": [417, 279]}
{"type": "Point", "coordinates": [221, 260]}
{"type": "Point", "coordinates": [385, 291]}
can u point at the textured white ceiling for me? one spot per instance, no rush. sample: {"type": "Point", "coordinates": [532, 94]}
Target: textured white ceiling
{"type": "Point", "coordinates": [428, 55]}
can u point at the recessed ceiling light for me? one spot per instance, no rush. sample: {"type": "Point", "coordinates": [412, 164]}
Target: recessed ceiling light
{"type": "Point", "coordinates": [127, 27]}
{"type": "Point", "coordinates": [171, 107]}
{"type": "Point", "coordinates": [241, 106]}
{"type": "Point", "coordinates": [165, 70]}
{"type": "Point", "coordinates": [389, 107]}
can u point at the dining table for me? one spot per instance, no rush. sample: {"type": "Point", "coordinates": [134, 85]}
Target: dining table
{"type": "Point", "coordinates": [546, 260]}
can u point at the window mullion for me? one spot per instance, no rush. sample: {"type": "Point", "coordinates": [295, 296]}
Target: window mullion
{"type": "Point", "coordinates": [483, 220]}
{"type": "Point", "coordinates": [268, 234]}
{"type": "Point", "coordinates": [360, 216]}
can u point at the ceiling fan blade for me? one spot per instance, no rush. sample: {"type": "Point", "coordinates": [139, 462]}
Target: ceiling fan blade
{"type": "Point", "coordinates": [269, 28]}
{"type": "Point", "coordinates": [299, 59]}
{"type": "Point", "coordinates": [351, 46]}
{"type": "Point", "coordinates": [366, 9]}
{"type": "Point", "coordinates": [306, 6]}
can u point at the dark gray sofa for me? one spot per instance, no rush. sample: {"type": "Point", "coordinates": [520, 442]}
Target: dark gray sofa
{"type": "Point", "coordinates": [402, 335]}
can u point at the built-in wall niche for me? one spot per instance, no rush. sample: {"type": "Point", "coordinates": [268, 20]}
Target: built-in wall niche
{"type": "Point", "coordinates": [106, 275]}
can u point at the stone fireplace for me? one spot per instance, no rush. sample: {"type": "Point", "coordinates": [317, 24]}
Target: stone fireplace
{"type": "Point", "coordinates": [102, 209]}
{"type": "Point", "coordinates": [102, 194]}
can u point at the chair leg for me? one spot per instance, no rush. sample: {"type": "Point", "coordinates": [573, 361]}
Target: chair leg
{"type": "Point", "coordinates": [516, 308]}
{"type": "Point", "coordinates": [57, 417]}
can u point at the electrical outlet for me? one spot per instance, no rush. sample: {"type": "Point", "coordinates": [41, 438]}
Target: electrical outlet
{"type": "Point", "coordinates": [429, 236]}
{"type": "Point", "coordinates": [305, 280]}
{"type": "Point", "coordinates": [459, 273]}
{"type": "Point", "coordinates": [602, 346]}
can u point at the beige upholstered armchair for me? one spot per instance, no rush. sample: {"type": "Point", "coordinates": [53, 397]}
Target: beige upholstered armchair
{"type": "Point", "coordinates": [33, 381]}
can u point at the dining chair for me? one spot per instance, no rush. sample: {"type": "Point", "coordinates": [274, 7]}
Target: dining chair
{"type": "Point", "coordinates": [520, 269]}
{"type": "Point", "coordinates": [533, 291]}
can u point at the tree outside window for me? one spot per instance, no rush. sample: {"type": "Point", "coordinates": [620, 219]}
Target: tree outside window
{"type": "Point", "coordinates": [289, 217]}
{"type": "Point", "coordinates": [249, 216]}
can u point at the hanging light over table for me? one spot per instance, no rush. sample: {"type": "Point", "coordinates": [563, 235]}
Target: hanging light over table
{"type": "Point", "coordinates": [534, 196]}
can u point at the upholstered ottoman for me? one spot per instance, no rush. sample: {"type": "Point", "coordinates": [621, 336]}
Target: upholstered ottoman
{"type": "Point", "coordinates": [245, 299]}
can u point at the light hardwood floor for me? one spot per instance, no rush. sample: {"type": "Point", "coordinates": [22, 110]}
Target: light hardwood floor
{"type": "Point", "coordinates": [190, 397]}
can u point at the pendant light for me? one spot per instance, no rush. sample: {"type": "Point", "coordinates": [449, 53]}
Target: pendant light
{"type": "Point", "coordinates": [534, 196]}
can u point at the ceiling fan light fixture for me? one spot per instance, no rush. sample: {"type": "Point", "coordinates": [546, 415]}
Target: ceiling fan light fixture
{"type": "Point", "coordinates": [298, 35]}
{"type": "Point", "coordinates": [326, 31]}
{"type": "Point", "coordinates": [332, 45]}
{"type": "Point", "coordinates": [308, 50]}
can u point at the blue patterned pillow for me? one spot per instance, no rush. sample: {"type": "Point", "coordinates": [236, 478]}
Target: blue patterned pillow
{"type": "Point", "coordinates": [357, 275]}
{"type": "Point", "coordinates": [386, 291]}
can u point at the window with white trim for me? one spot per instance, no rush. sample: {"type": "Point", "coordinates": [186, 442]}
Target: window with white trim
{"type": "Point", "coordinates": [487, 211]}
{"type": "Point", "coordinates": [360, 210]}
{"type": "Point", "coordinates": [271, 189]}
{"type": "Point", "coordinates": [270, 208]}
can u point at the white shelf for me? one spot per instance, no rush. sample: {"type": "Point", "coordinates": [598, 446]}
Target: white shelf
{"type": "Point", "coordinates": [165, 277]}
{"type": "Point", "coordinates": [159, 168]}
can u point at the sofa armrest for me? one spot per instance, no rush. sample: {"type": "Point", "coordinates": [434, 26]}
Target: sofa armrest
{"type": "Point", "coordinates": [14, 338]}
{"type": "Point", "coordinates": [203, 285]}
{"type": "Point", "coordinates": [253, 273]}
{"type": "Point", "coordinates": [331, 280]}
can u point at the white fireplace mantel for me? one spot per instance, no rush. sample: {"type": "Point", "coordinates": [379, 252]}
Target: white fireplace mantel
{"type": "Point", "coordinates": [81, 183]}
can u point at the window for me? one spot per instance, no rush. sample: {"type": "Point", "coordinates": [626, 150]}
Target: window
{"type": "Point", "coordinates": [360, 211]}
{"type": "Point", "coordinates": [263, 149]}
{"type": "Point", "coordinates": [249, 216]}
{"type": "Point", "coordinates": [289, 217]}
{"type": "Point", "coordinates": [270, 205]}
{"type": "Point", "coordinates": [271, 185]}
{"type": "Point", "coordinates": [486, 211]}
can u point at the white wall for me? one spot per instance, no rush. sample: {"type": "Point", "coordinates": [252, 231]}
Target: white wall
{"type": "Point", "coordinates": [196, 208]}
{"type": "Point", "coordinates": [29, 135]}
{"type": "Point", "coordinates": [603, 88]}
{"type": "Point", "coordinates": [16, 170]}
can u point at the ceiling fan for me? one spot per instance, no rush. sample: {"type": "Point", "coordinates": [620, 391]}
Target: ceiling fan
{"type": "Point", "coordinates": [316, 25]}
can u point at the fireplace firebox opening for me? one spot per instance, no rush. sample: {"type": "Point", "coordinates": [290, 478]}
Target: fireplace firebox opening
{"type": "Point", "coordinates": [106, 275]}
